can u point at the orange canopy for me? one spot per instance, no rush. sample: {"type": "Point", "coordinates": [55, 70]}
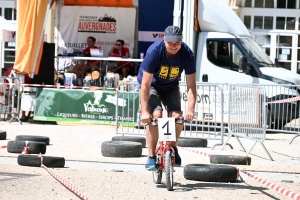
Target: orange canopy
{"type": "Point", "coordinates": [31, 24]}
{"type": "Point", "coordinates": [108, 3]}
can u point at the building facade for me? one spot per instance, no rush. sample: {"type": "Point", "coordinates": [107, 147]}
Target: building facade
{"type": "Point", "coordinates": [7, 49]}
{"type": "Point", "coordinates": [274, 25]}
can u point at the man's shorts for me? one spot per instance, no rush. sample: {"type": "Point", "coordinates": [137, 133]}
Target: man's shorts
{"type": "Point", "coordinates": [170, 99]}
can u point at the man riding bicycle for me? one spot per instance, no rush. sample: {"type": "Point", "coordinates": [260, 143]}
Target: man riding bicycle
{"type": "Point", "coordinates": [158, 75]}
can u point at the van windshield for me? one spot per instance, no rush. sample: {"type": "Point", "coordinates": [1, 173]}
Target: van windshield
{"type": "Point", "coordinates": [256, 52]}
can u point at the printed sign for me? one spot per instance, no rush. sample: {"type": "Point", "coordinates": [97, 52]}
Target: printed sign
{"type": "Point", "coordinates": [209, 99]}
{"type": "Point", "coordinates": [150, 36]}
{"type": "Point", "coordinates": [166, 129]}
{"type": "Point", "coordinates": [106, 24]}
{"type": "Point", "coordinates": [90, 106]}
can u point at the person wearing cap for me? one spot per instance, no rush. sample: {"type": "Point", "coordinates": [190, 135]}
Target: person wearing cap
{"type": "Point", "coordinates": [158, 76]}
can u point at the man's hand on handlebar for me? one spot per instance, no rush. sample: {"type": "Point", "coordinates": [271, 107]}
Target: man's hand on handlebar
{"type": "Point", "coordinates": [146, 117]}
{"type": "Point", "coordinates": [189, 116]}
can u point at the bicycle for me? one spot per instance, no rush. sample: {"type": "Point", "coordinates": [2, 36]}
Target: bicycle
{"type": "Point", "coordinates": [165, 154]}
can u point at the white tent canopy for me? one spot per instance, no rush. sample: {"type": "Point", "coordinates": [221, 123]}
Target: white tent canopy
{"type": "Point", "coordinates": [6, 29]}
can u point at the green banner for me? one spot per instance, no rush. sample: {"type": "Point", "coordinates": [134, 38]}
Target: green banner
{"type": "Point", "coordinates": [96, 106]}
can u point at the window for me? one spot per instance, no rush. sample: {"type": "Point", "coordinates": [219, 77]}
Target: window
{"type": "Point", "coordinates": [261, 22]}
{"type": "Point", "coordinates": [280, 22]}
{"type": "Point", "coordinates": [236, 54]}
{"type": "Point", "coordinates": [268, 23]}
{"type": "Point", "coordinates": [259, 3]}
{"type": "Point", "coordinates": [247, 21]}
{"type": "Point", "coordinates": [258, 22]}
{"type": "Point", "coordinates": [285, 23]}
{"type": "Point", "coordinates": [10, 14]}
{"type": "Point", "coordinates": [264, 41]}
{"type": "Point", "coordinates": [290, 23]}
{"type": "Point", "coordinates": [269, 3]}
{"type": "Point", "coordinates": [290, 4]}
{"type": "Point", "coordinates": [281, 4]}
{"type": "Point", "coordinates": [0, 11]}
{"type": "Point", "coordinates": [223, 54]}
{"type": "Point", "coordinates": [248, 3]}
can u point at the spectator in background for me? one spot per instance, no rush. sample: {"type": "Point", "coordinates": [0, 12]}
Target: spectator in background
{"type": "Point", "coordinates": [120, 51]}
{"type": "Point", "coordinates": [8, 72]}
{"type": "Point", "coordinates": [90, 65]}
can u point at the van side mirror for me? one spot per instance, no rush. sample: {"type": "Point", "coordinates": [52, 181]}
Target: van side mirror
{"type": "Point", "coordinates": [243, 63]}
{"type": "Point", "coordinates": [276, 62]}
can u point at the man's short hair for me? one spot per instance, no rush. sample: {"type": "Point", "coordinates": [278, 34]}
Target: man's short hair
{"type": "Point", "coordinates": [121, 41]}
{"type": "Point", "coordinates": [92, 38]}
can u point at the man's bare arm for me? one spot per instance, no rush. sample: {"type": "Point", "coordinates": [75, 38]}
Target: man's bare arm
{"type": "Point", "coordinates": [145, 93]}
{"type": "Point", "coordinates": [192, 93]}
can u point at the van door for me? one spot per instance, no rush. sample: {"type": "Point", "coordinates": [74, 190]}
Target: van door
{"type": "Point", "coordinates": [220, 63]}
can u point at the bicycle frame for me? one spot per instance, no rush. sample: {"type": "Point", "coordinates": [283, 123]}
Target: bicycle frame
{"type": "Point", "coordinates": [165, 160]}
{"type": "Point", "coordinates": [163, 148]}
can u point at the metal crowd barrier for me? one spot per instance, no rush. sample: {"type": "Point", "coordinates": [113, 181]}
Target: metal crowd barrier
{"type": "Point", "coordinates": [208, 122]}
{"type": "Point", "coordinates": [10, 98]}
{"type": "Point", "coordinates": [246, 115]}
{"type": "Point", "coordinates": [283, 109]}
{"type": "Point", "coordinates": [131, 123]}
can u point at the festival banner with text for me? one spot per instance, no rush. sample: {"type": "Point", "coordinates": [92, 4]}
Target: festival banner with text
{"type": "Point", "coordinates": [106, 24]}
{"type": "Point", "coordinates": [86, 106]}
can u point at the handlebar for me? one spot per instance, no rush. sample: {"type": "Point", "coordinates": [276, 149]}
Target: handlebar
{"type": "Point", "coordinates": [178, 120]}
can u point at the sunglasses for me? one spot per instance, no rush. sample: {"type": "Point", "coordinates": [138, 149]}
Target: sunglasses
{"type": "Point", "coordinates": [118, 44]}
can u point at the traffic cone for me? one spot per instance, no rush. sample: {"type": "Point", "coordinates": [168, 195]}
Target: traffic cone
{"type": "Point", "coordinates": [25, 150]}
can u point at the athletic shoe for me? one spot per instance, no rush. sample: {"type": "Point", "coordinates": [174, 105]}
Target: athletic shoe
{"type": "Point", "coordinates": [177, 158]}
{"type": "Point", "coordinates": [151, 163]}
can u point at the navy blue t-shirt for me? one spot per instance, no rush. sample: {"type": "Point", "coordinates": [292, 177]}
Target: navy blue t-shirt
{"type": "Point", "coordinates": [165, 69]}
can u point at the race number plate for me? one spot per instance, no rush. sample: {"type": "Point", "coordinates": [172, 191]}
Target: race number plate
{"type": "Point", "coordinates": [166, 129]}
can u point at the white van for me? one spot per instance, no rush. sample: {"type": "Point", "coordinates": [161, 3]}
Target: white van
{"type": "Point", "coordinates": [226, 53]}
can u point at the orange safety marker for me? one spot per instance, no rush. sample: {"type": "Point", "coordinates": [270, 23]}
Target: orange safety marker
{"type": "Point", "coordinates": [25, 150]}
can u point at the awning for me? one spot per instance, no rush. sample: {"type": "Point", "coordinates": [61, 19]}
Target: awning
{"type": "Point", "coordinates": [108, 3]}
{"type": "Point", "coordinates": [32, 16]}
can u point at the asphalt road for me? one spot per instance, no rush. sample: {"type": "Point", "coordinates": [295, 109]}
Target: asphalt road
{"type": "Point", "coordinates": [101, 177]}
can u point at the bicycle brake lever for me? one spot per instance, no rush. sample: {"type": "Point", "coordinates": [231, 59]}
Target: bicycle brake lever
{"type": "Point", "coordinates": [179, 120]}
{"type": "Point", "coordinates": [154, 122]}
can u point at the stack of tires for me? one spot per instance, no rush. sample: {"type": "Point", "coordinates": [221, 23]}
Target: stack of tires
{"type": "Point", "coordinates": [217, 171]}
{"type": "Point", "coordinates": [35, 145]}
{"type": "Point", "coordinates": [123, 147]}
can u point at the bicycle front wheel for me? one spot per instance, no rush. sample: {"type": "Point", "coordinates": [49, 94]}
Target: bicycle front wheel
{"type": "Point", "coordinates": [169, 170]}
{"type": "Point", "coordinates": [157, 175]}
